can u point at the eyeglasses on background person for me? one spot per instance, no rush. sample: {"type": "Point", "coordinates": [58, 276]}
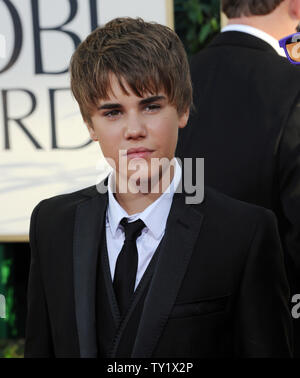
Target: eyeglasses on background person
{"type": "Point", "coordinates": [291, 46]}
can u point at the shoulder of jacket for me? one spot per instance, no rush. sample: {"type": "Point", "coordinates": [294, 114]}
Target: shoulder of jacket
{"type": "Point", "coordinates": [67, 200]}
{"type": "Point", "coordinates": [225, 207]}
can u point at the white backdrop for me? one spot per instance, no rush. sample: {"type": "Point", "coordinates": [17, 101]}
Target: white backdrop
{"type": "Point", "coordinates": [44, 145]}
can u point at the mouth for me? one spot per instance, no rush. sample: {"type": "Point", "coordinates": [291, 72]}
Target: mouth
{"type": "Point", "coordinates": [139, 153]}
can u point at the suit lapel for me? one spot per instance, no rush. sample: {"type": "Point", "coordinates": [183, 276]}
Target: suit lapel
{"type": "Point", "coordinates": [89, 220]}
{"type": "Point", "coordinates": [182, 230]}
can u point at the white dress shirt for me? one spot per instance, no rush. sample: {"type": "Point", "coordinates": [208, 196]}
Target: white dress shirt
{"type": "Point", "coordinates": [154, 216]}
{"type": "Point", "coordinates": [256, 33]}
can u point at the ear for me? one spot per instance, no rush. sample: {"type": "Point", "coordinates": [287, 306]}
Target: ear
{"type": "Point", "coordinates": [295, 9]}
{"type": "Point", "coordinates": [91, 131]}
{"type": "Point", "coordinates": [183, 119]}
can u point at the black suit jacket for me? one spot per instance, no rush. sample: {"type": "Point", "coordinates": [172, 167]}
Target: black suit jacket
{"type": "Point", "coordinates": [218, 288]}
{"type": "Point", "coordinates": [247, 127]}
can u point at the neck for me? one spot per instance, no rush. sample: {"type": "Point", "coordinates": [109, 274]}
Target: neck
{"type": "Point", "coordinates": [278, 24]}
{"type": "Point", "coordinates": [134, 203]}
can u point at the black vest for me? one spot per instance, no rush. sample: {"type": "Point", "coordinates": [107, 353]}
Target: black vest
{"type": "Point", "coordinates": [116, 335]}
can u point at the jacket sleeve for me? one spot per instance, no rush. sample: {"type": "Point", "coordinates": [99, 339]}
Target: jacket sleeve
{"type": "Point", "coordinates": [263, 323]}
{"type": "Point", "coordinates": [289, 182]}
{"type": "Point", "coordinates": [38, 341]}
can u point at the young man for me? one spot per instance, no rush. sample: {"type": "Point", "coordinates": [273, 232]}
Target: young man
{"type": "Point", "coordinates": [251, 145]}
{"type": "Point", "coordinates": [141, 273]}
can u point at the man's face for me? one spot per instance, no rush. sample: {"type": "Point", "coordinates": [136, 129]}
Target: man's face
{"type": "Point", "coordinates": [128, 122]}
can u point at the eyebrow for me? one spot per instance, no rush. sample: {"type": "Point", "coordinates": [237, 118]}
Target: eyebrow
{"type": "Point", "coordinates": [145, 101]}
{"type": "Point", "coordinates": [148, 100]}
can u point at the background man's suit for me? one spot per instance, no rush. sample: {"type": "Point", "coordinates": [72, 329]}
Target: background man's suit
{"type": "Point", "coordinates": [215, 287]}
{"type": "Point", "coordinates": [247, 127]}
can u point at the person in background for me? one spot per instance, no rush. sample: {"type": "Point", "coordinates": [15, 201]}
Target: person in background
{"type": "Point", "coordinates": [246, 122]}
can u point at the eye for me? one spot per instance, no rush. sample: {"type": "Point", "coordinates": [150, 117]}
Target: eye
{"type": "Point", "coordinates": [112, 113]}
{"type": "Point", "coordinates": [152, 107]}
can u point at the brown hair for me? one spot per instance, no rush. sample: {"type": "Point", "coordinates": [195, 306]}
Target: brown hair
{"type": "Point", "coordinates": [239, 8]}
{"type": "Point", "coordinates": [150, 57]}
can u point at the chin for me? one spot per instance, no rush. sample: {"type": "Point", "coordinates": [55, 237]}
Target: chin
{"type": "Point", "coordinates": [141, 181]}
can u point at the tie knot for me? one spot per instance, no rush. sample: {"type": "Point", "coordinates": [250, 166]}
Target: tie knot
{"type": "Point", "coordinates": [133, 229]}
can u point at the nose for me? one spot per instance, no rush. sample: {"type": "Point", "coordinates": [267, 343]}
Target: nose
{"type": "Point", "coordinates": [135, 127]}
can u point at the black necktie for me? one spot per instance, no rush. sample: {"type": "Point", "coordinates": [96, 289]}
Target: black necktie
{"type": "Point", "coordinates": [126, 265]}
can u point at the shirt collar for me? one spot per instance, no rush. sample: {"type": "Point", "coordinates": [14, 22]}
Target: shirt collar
{"type": "Point", "coordinates": [256, 33]}
{"type": "Point", "coordinates": [154, 216]}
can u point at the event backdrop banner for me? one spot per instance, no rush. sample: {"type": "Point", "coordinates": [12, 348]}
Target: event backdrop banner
{"type": "Point", "coordinates": [45, 147]}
